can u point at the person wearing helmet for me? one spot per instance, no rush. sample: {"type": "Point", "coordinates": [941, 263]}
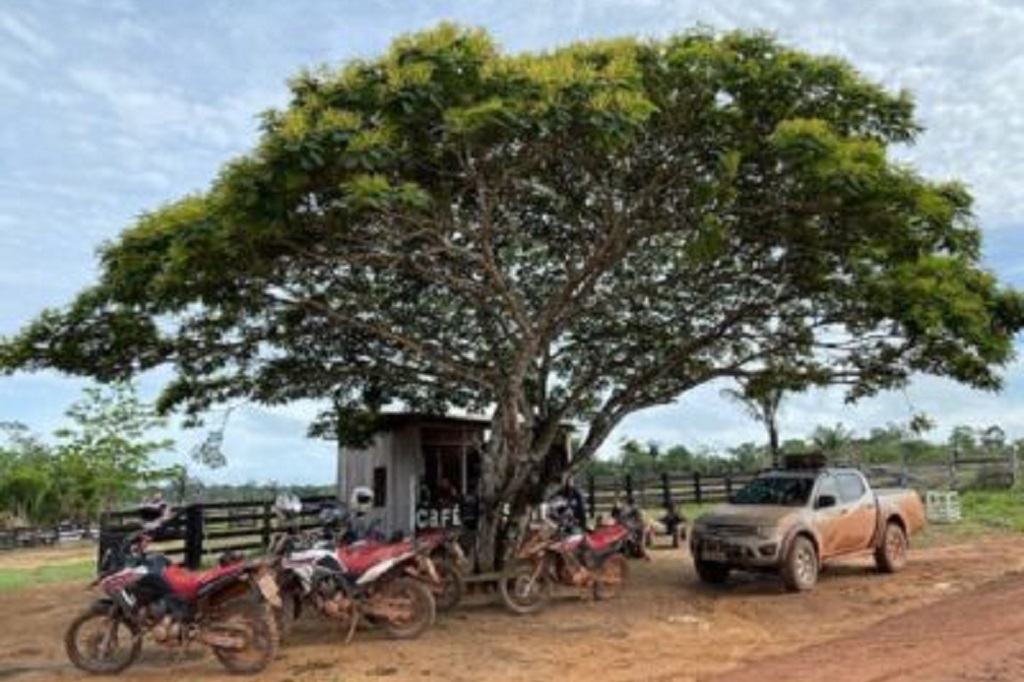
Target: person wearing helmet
{"type": "Point", "coordinates": [360, 526]}
{"type": "Point", "coordinates": [577, 507]}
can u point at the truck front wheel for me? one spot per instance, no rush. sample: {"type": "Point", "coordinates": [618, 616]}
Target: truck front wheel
{"type": "Point", "coordinates": [800, 571]}
{"type": "Point", "coordinates": [712, 572]}
{"type": "Point", "coordinates": [891, 555]}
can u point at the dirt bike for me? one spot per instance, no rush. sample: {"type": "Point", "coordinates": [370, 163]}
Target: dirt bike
{"type": "Point", "coordinates": [374, 582]}
{"type": "Point", "coordinates": [450, 563]}
{"type": "Point", "coordinates": [557, 554]}
{"type": "Point", "coordinates": [225, 608]}
{"type": "Point", "coordinates": [639, 536]}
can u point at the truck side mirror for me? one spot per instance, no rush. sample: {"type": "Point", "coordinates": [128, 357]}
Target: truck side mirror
{"type": "Point", "coordinates": [825, 501]}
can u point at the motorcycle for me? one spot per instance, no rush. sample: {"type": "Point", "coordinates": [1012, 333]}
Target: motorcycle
{"type": "Point", "coordinates": [450, 563]}
{"type": "Point", "coordinates": [559, 553]}
{"type": "Point", "coordinates": [363, 581]}
{"type": "Point", "coordinates": [639, 537]}
{"type": "Point", "coordinates": [225, 608]}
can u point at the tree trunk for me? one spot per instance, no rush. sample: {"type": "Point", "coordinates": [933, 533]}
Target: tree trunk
{"type": "Point", "coordinates": [510, 482]}
{"type": "Point", "coordinates": [773, 443]}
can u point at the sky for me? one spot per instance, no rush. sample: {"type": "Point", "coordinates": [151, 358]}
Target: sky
{"type": "Point", "coordinates": [110, 108]}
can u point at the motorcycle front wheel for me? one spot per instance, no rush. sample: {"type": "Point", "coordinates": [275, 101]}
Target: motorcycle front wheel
{"type": "Point", "coordinates": [448, 593]}
{"type": "Point", "coordinates": [100, 641]}
{"type": "Point", "coordinates": [525, 587]}
{"type": "Point", "coordinates": [255, 623]}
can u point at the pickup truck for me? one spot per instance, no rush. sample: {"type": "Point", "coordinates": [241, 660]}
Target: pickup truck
{"type": "Point", "coordinates": [790, 521]}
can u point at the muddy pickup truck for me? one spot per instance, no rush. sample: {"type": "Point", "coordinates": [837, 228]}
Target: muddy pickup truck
{"type": "Point", "coordinates": [792, 520]}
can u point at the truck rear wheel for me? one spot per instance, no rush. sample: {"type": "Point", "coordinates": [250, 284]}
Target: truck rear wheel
{"type": "Point", "coordinates": [800, 571]}
{"type": "Point", "coordinates": [891, 555]}
{"type": "Point", "coordinates": [711, 572]}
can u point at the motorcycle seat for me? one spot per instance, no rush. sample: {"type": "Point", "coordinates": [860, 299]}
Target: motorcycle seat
{"type": "Point", "coordinates": [606, 537]}
{"type": "Point", "coordinates": [187, 584]}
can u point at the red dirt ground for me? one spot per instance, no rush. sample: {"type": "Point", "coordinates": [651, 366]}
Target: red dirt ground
{"type": "Point", "coordinates": [953, 614]}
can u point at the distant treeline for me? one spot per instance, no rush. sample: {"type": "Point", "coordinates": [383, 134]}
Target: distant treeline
{"type": "Point", "coordinates": [892, 444]}
{"type": "Point", "coordinates": [197, 491]}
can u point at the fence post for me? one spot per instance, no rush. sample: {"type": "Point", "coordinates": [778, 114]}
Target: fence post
{"type": "Point", "coordinates": [666, 491]}
{"type": "Point", "coordinates": [629, 488]}
{"type": "Point", "coordinates": [193, 536]}
{"type": "Point", "coordinates": [728, 485]}
{"type": "Point", "coordinates": [698, 497]}
{"type": "Point", "coordinates": [265, 535]}
{"type": "Point", "coordinates": [105, 541]}
{"type": "Point", "coordinates": [591, 496]}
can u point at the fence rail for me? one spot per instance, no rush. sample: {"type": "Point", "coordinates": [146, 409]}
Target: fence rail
{"type": "Point", "coordinates": [202, 530]}
{"type": "Point", "coordinates": [671, 489]}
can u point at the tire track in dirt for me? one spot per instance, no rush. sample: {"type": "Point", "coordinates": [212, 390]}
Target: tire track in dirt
{"type": "Point", "coordinates": [977, 635]}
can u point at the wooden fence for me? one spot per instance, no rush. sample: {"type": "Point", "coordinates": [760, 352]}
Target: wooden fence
{"type": "Point", "coordinates": [202, 530]}
{"type": "Point", "coordinates": [665, 491]}
{"type": "Point", "coordinates": [22, 538]}
{"type": "Point", "coordinates": [669, 490]}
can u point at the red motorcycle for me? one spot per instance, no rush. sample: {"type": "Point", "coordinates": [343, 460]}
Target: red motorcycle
{"type": "Point", "coordinates": [560, 554]}
{"type": "Point", "coordinates": [368, 580]}
{"type": "Point", "coordinates": [225, 608]}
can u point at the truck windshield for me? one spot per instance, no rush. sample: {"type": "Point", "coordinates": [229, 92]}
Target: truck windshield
{"type": "Point", "coordinates": [786, 491]}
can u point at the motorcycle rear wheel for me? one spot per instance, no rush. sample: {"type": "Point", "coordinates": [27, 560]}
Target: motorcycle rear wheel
{"type": "Point", "coordinates": [419, 601]}
{"type": "Point", "coordinates": [525, 587]}
{"type": "Point", "coordinates": [256, 619]}
{"type": "Point", "coordinates": [123, 635]}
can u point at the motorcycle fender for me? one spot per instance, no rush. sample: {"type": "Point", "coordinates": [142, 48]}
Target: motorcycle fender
{"type": "Point", "coordinates": [224, 589]}
{"type": "Point", "coordinates": [382, 568]}
{"type": "Point", "coordinates": [105, 603]}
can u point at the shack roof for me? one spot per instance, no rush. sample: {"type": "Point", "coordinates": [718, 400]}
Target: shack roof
{"type": "Point", "coordinates": [396, 420]}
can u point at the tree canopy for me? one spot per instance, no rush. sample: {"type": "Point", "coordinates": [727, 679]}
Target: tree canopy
{"type": "Point", "coordinates": [573, 234]}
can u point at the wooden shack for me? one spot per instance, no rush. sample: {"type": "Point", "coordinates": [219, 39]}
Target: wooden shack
{"type": "Point", "coordinates": [416, 465]}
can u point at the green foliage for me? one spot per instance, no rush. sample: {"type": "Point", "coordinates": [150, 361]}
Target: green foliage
{"type": "Point", "coordinates": [98, 461]}
{"type": "Point", "coordinates": [576, 234]}
{"type": "Point", "coordinates": [995, 509]}
{"type": "Point", "coordinates": [893, 444]}
{"type": "Point", "coordinates": [652, 459]}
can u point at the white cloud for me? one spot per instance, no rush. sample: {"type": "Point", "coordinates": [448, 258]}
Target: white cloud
{"type": "Point", "coordinates": [27, 36]}
{"type": "Point", "coordinates": [12, 83]}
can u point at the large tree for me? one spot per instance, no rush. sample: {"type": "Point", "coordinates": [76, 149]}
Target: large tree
{"type": "Point", "coordinates": [576, 234]}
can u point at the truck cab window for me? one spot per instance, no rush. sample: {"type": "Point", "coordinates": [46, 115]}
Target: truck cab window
{"type": "Point", "coordinates": [851, 488]}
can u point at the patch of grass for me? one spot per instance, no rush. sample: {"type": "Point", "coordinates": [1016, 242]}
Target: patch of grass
{"type": "Point", "coordinates": [1003, 509]}
{"type": "Point", "coordinates": [19, 578]}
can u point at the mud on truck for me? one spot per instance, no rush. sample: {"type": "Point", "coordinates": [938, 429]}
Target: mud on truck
{"type": "Point", "coordinates": [791, 520]}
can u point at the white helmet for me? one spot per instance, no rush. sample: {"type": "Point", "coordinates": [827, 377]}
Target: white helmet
{"type": "Point", "coordinates": [287, 504]}
{"type": "Point", "coordinates": [361, 500]}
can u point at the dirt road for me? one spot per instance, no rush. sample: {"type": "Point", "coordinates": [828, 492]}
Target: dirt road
{"type": "Point", "coordinates": [952, 615]}
{"type": "Point", "coordinates": [974, 636]}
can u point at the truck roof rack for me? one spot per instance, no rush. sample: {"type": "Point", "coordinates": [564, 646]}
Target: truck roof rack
{"type": "Point", "coordinates": [804, 460]}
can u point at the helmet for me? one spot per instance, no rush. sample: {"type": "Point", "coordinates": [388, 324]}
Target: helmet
{"type": "Point", "coordinates": [558, 509]}
{"type": "Point", "coordinates": [361, 500]}
{"type": "Point", "coordinates": [287, 504]}
{"type": "Point", "coordinates": [333, 513]}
